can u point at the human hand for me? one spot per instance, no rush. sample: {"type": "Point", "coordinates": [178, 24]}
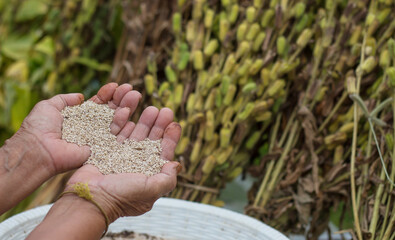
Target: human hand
{"type": "Point", "coordinates": [44, 123]}
{"type": "Point", "coordinates": [132, 194]}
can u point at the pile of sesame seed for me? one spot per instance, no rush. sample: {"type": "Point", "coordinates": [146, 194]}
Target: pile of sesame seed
{"type": "Point", "coordinates": [89, 124]}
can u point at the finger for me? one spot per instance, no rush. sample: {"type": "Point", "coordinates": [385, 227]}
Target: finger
{"type": "Point", "coordinates": [131, 100]}
{"type": "Point", "coordinates": [120, 92]}
{"type": "Point", "coordinates": [71, 156]}
{"type": "Point", "coordinates": [170, 139]}
{"type": "Point", "coordinates": [165, 181]}
{"type": "Point", "coordinates": [145, 123]}
{"type": "Point", "coordinates": [121, 117]}
{"type": "Point", "coordinates": [63, 100]}
{"type": "Point", "coordinates": [105, 93]}
{"type": "Point", "coordinates": [165, 117]}
{"type": "Point", "coordinates": [126, 131]}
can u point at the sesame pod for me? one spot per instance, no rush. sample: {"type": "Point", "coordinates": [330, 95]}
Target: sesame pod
{"type": "Point", "coordinates": [196, 151]}
{"type": "Point", "coordinates": [223, 29]}
{"type": "Point", "coordinates": [335, 139]}
{"type": "Point", "coordinates": [302, 23]}
{"type": "Point", "coordinates": [183, 62]}
{"type": "Point", "coordinates": [242, 49]}
{"type": "Point", "coordinates": [180, 3]}
{"type": "Point", "coordinates": [209, 128]}
{"type": "Point", "coordinates": [286, 67]}
{"type": "Point", "coordinates": [235, 173]}
{"type": "Point", "coordinates": [182, 145]}
{"type": "Point", "coordinates": [256, 67]}
{"type": "Point", "coordinates": [227, 115]}
{"type": "Point", "coordinates": [250, 14]}
{"type": "Point", "coordinates": [198, 117]}
{"type": "Point", "coordinates": [321, 93]}
{"type": "Point", "coordinates": [391, 47]}
{"type": "Point", "coordinates": [263, 116]}
{"type": "Point", "coordinates": [190, 31]}
{"type": "Point", "coordinates": [338, 155]}
{"type": "Point", "coordinates": [225, 136]}
{"type": "Point", "coordinates": [383, 15]}
{"type": "Point", "coordinates": [247, 111]}
{"type": "Point", "coordinates": [178, 94]}
{"type": "Point", "coordinates": [347, 128]}
{"type": "Point", "coordinates": [258, 3]}
{"type": "Point", "coordinates": [369, 64]}
{"type": "Point", "coordinates": [252, 32]}
{"type": "Point", "coordinates": [214, 80]}
{"type": "Point", "coordinates": [238, 104]}
{"type": "Point", "coordinates": [298, 9]}
{"type": "Point", "coordinates": [281, 46]}
{"type": "Point", "coordinates": [356, 34]}
{"type": "Point", "coordinates": [211, 47]}
{"type": "Point", "coordinates": [258, 41]}
{"type": "Point", "coordinates": [274, 72]}
{"type": "Point", "coordinates": [149, 83]}
{"type": "Point", "coordinates": [225, 3]}
{"type": "Point", "coordinates": [267, 17]}
{"type": "Point", "coordinates": [276, 87]}
{"type": "Point", "coordinates": [234, 13]}
{"type": "Point", "coordinates": [210, 101]}
{"type": "Point", "coordinates": [197, 10]}
{"type": "Point", "coordinates": [224, 155]}
{"type": "Point", "coordinates": [198, 104]}
{"type": "Point", "coordinates": [385, 59]}
{"type": "Point", "coordinates": [177, 22]}
{"type": "Point", "coordinates": [351, 88]}
{"type": "Point", "coordinates": [210, 147]}
{"type": "Point", "coordinates": [170, 74]}
{"type": "Point", "coordinates": [304, 38]}
{"type": "Point", "coordinates": [243, 69]}
{"type": "Point", "coordinates": [218, 100]}
{"type": "Point", "coordinates": [165, 86]}
{"type": "Point", "coordinates": [191, 102]}
{"type": "Point", "coordinates": [225, 84]}
{"type": "Point", "coordinates": [389, 139]}
{"type": "Point", "coordinates": [208, 18]}
{"type": "Point", "coordinates": [198, 62]}
{"type": "Point", "coordinates": [249, 88]}
{"type": "Point", "coordinates": [209, 164]}
{"type": "Point", "coordinates": [229, 64]}
{"type": "Point", "coordinates": [262, 105]}
{"type": "Point", "coordinates": [265, 76]}
{"type": "Point", "coordinates": [251, 142]}
{"type": "Point", "coordinates": [241, 31]}
{"type": "Point", "coordinates": [391, 76]}
{"type": "Point", "coordinates": [202, 79]}
{"type": "Point", "coordinates": [228, 99]}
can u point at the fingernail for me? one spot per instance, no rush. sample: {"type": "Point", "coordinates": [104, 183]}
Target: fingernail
{"type": "Point", "coordinates": [81, 98]}
{"type": "Point", "coordinates": [178, 167]}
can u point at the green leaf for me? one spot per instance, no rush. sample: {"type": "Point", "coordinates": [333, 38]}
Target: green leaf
{"type": "Point", "coordinates": [93, 64]}
{"type": "Point", "coordinates": [17, 48]}
{"type": "Point", "coordinates": [31, 9]}
{"type": "Point", "coordinates": [46, 46]}
{"type": "Point", "coordinates": [21, 106]}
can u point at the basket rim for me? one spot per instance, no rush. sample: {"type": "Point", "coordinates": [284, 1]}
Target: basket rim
{"type": "Point", "coordinates": [37, 212]}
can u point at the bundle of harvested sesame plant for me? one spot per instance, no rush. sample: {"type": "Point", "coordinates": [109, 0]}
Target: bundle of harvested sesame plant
{"type": "Point", "coordinates": [89, 124]}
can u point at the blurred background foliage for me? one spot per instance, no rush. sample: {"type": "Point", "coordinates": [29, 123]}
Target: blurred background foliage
{"type": "Point", "coordinates": [49, 47]}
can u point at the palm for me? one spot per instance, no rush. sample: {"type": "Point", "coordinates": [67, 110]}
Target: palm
{"type": "Point", "coordinates": [133, 194]}
{"type": "Point", "coordinates": [45, 122]}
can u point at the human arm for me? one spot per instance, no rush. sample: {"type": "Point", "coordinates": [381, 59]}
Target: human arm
{"type": "Point", "coordinates": [126, 194]}
{"type": "Point", "coordinates": [37, 152]}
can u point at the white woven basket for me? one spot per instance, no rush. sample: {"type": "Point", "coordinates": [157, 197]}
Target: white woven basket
{"type": "Point", "coordinates": [169, 218]}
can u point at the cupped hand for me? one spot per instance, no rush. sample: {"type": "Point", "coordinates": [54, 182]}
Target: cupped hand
{"type": "Point", "coordinates": [44, 123]}
{"type": "Point", "coordinates": [132, 194]}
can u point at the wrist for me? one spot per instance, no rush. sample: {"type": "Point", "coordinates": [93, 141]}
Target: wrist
{"type": "Point", "coordinates": [98, 201]}
{"type": "Point", "coordinates": [29, 142]}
